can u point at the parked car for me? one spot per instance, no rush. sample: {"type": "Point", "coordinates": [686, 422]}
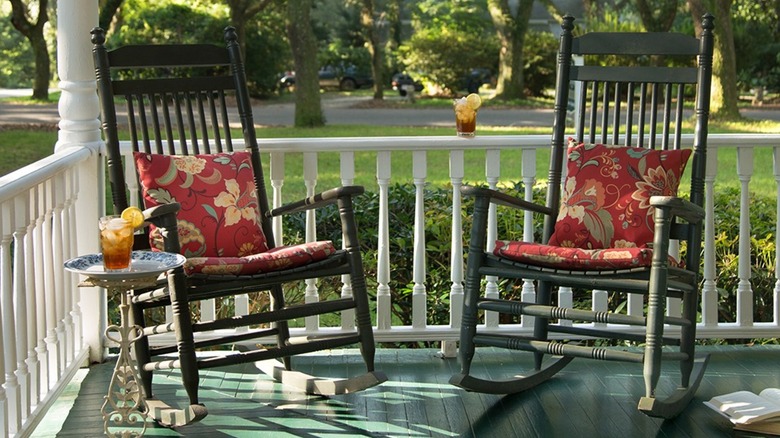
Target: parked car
{"type": "Point", "coordinates": [476, 78]}
{"type": "Point", "coordinates": [345, 79]}
{"type": "Point", "coordinates": [402, 80]}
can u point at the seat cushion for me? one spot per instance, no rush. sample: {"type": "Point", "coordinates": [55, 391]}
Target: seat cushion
{"type": "Point", "coordinates": [275, 259]}
{"type": "Point", "coordinates": [606, 194]}
{"type": "Point", "coordinates": [561, 257]}
{"type": "Point", "coordinates": [219, 214]}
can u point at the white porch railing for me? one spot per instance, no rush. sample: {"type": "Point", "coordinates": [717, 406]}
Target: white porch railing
{"type": "Point", "coordinates": [49, 327]}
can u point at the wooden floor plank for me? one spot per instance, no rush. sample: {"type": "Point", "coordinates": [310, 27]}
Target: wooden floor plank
{"type": "Point", "coordinates": [587, 398]}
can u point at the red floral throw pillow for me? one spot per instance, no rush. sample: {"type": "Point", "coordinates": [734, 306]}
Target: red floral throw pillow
{"type": "Point", "coordinates": [606, 195]}
{"type": "Point", "coordinates": [219, 214]}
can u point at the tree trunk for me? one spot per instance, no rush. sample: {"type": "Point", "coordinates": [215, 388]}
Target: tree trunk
{"type": "Point", "coordinates": [375, 48]}
{"type": "Point", "coordinates": [511, 30]}
{"type": "Point", "coordinates": [308, 109]}
{"type": "Point", "coordinates": [42, 67]}
{"type": "Point", "coordinates": [657, 15]}
{"type": "Point", "coordinates": [107, 13]}
{"type": "Point", "coordinates": [238, 21]}
{"type": "Point", "coordinates": [34, 34]}
{"type": "Point", "coordinates": [723, 104]}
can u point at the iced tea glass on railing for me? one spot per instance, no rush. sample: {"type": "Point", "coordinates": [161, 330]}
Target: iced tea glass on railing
{"type": "Point", "coordinates": [116, 242]}
{"type": "Point", "coordinates": [466, 114]}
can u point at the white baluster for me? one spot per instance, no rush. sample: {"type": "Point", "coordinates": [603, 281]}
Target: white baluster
{"type": "Point", "coordinates": [709, 291]}
{"type": "Point", "coordinates": [52, 342]}
{"type": "Point", "coordinates": [347, 162]}
{"type": "Point", "coordinates": [457, 172]}
{"type": "Point", "coordinates": [492, 173]}
{"type": "Point", "coordinates": [72, 302]}
{"type": "Point", "coordinates": [310, 181]}
{"type": "Point", "coordinates": [744, 288]}
{"type": "Point", "coordinates": [58, 195]}
{"type": "Point", "coordinates": [528, 292]}
{"type": "Point", "coordinates": [40, 292]}
{"type": "Point", "coordinates": [419, 308]}
{"type": "Point", "coordinates": [30, 294]}
{"type": "Point", "coordinates": [276, 169]}
{"type": "Point", "coordinates": [383, 297]}
{"type": "Point", "coordinates": [8, 321]}
{"type": "Point", "coordinates": [21, 219]}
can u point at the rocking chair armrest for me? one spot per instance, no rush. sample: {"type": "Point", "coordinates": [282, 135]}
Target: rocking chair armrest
{"type": "Point", "coordinates": [151, 213]}
{"type": "Point", "coordinates": [679, 207]}
{"type": "Point", "coordinates": [499, 198]}
{"type": "Point", "coordinates": [318, 200]}
{"type": "Point", "coordinates": [163, 216]}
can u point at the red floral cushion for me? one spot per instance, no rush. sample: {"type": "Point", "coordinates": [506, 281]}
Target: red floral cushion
{"type": "Point", "coordinates": [284, 257]}
{"type": "Point", "coordinates": [219, 214]}
{"type": "Point", "coordinates": [605, 201]}
{"type": "Point", "coordinates": [561, 257]}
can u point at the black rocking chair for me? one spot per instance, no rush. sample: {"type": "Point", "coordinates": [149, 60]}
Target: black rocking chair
{"type": "Point", "coordinates": [208, 202]}
{"type": "Point", "coordinates": [609, 220]}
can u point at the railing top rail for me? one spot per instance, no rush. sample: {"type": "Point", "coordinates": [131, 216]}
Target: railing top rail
{"type": "Point", "coordinates": [451, 142]}
{"type": "Point", "coordinates": [400, 143]}
{"type": "Point", "coordinates": [28, 176]}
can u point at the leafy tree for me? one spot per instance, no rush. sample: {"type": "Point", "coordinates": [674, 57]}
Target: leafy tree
{"type": "Point", "coordinates": [241, 11]}
{"type": "Point", "coordinates": [267, 51]}
{"type": "Point", "coordinates": [308, 108]}
{"type": "Point", "coordinates": [33, 30]}
{"type": "Point", "coordinates": [757, 44]}
{"type": "Point", "coordinates": [450, 39]}
{"type": "Point", "coordinates": [17, 63]}
{"type": "Point", "coordinates": [341, 35]}
{"type": "Point", "coordinates": [168, 22]}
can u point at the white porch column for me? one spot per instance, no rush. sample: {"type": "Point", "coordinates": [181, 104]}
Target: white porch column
{"type": "Point", "coordinates": [80, 126]}
{"type": "Point", "coordinates": [78, 105]}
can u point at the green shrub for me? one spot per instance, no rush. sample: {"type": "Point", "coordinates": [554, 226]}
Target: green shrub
{"type": "Point", "coordinates": [539, 67]}
{"type": "Point", "coordinates": [762, 254]}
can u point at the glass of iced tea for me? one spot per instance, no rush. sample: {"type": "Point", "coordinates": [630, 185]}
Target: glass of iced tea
{"type": "Point", "coordinates": [466, 114]}
{"type": "Point", "coordinates": [116, 242]}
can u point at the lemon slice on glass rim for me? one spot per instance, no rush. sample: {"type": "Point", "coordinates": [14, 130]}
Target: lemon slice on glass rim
{"type": "Point", "coordinates": [134, 215]}
{"type": "Point", "coordinates": [474, 101]}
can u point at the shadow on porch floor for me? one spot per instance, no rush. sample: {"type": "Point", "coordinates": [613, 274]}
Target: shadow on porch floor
{"type": "Point", "coordinates": [587, 399]}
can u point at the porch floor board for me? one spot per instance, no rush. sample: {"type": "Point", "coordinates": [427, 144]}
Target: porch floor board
{"type": "Point", "coordinates": [587, 399]}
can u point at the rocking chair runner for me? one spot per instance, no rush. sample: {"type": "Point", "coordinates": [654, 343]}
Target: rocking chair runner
{"type": "Point", "coordinates": [209, 202]}
{"type": "Point", "coordinates": [611, 229]}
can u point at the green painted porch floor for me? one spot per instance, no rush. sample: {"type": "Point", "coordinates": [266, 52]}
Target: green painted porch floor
{"type": "Point", "coordinates": [587, 399]}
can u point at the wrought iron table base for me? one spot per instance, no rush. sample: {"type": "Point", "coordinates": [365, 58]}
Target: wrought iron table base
{"type": "Point", "coordinates": [125, 404]}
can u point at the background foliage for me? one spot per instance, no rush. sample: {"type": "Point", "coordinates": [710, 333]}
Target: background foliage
{"type": "Point", "coordinates": [446, 39]}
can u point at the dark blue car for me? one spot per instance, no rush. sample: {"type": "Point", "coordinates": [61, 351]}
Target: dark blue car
{"type": "Point", "coordinates": [345, 79]}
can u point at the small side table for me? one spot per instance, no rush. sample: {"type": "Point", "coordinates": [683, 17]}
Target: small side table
{"type": "Point", "coordinates": [125, 403]}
